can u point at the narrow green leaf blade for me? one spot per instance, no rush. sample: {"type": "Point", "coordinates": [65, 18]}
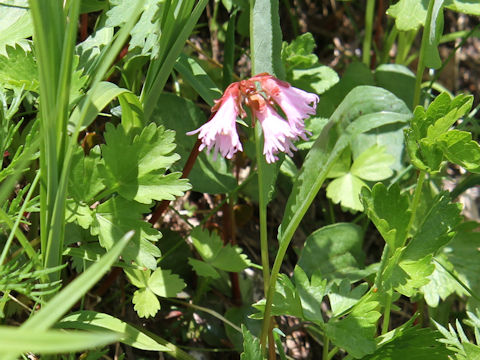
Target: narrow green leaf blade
{"type": "Point", "coordinates": [63, 301]}
{"type": "Point", "coordinates": [128, 334]}
{"type": "Point", "coordinates": [266, 38]}
{"type": "Point", "coordinates": [18, 340]}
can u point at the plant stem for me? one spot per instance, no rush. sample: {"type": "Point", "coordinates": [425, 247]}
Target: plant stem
{"type": "Point", "coordinates": [262, 204]}
{"type": "Point", "coordinates": [421, 57]}
{"type": "Point", "coordinates": [326, 343]}
{"type": "Point", "coordinates": [263, 211]}
{"type": "Point", "coordinates": [13, 231]}
{"type": "Point", "coordinates": [386, 314]}
{"type": "Point", "coordinates": [416, 199]}
{"type": "Point", "coordinates": [367, 41]}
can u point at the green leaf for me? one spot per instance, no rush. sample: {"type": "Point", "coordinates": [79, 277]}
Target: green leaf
{"type": "Point", "coordinates": [146, 31]}
{"type": "Point", "coordinates": [129, 335]}
{"type": "Point", "coordinates": [409, 14]}
{"type": "Point", "coordinates": [334, 252]}
{"type": "Point", "coordinates": [429, 140]}
{"type": "Point", "coordinates": [356, 74]}
{"type": "Point", "coordinates": [436, 230]}
{"type": "Point", "coordinates": [88, 6]}
{"type": "Point", "coordinates": [355, 333]}
{"type": "Point", "coordinates": [50, 313]}
{"type": "Point", "coordinates": [101, 95]}
{"type": "Point", "coordinates": [15, 24]}
{"type": "Point", "coordinates": [132, 112]}
{"type": "Point", "coordinates": [286, 300]}
{"type": "Point", "coordinates": [117, 216]}
{"type": "Point", "coordinates": [137, 277]}
{"type": "Point", "coordinates": [251, 346]}
{"type": "Point", "coordinates": [441, 284]}
{"type": "Point", "coordinates": [165, 284]}
{"type": "Point", "coordinates": [342, 297]}
{"type": "Point", "coordinates": [85, 181]}
{"type": "Point", "coordinates": [413, 343]}
{"type": "Point", "coordinates": [161, 282]}
{"type": "Point", "coordinates": [18, 69]}
{"type": "Point", "coordinates": [176, 28]}
{"type": "Point", "coordinates": [364, 109]}
{"type": "Point", "coordinates": [373, 164]}
{"type": "Point", "coordinates": [432, 56]}
{"type": "Point", "coordinates": [78, 212]}
{"type": "Point", "coordinates": [203, 268]}
{"type": "Point", "coordinates": [316, 79]}
{"type": "Point", "coordinates": [139, 174]}
{"type": "Point", "coordinates": [198, 78]}
{"type": "Point", "coordinates": [406, 275]}
{"type": "Point", "coordinates": [303, 69]}
{"type": "Point", "coordinates": [345, 191]}
{"type": "Point", "coordinates": [388, 210]}
{"type": "Point", "coordinates": [311, 293]}
{"type": "Point", "coordinates": [146, 303]}
{"type": "Point", "coordinates": [462, 252]}
{"type": "Point", "coordinates": [298, 54]}
{"type": "Point", "coordinates": [51, 341]}
{"type": "Point", "coordinates": [463, 6]}
{"type": "Point", "coordinates": [91, 50]}
{"type": "Point", "coordinates": [266, 38]}
{"type": "Point", "coordinates": [207, 175]}
{"type": "Point", "coordinates": [398, 79]}
{"type": "Point", "coordinates": [410, 275]}
{"type": "Point", "coordinates": [459, 148]}
{"type": "Point", "coordinates": [211, 249]}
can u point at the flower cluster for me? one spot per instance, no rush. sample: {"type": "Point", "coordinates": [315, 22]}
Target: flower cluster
{"type": "Point", "coordinates": [220, 132]}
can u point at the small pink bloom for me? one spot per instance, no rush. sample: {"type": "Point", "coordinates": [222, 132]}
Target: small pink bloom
{"type": "Point", "coordinates": [277, 133]}
{"type": "Point", "coordinates": [220, 132]}
{"type": "Point", "coordinates": [295, 103]}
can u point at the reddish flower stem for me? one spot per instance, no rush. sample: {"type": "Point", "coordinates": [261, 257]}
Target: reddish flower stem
{"type": "Point", "coordinates": [160, 209]}
{"type": "Point", "coordinates": [83, 27]}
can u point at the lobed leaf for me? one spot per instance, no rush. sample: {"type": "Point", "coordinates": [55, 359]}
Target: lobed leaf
{"type": "Point", "coordinates": [115, 217]}
{"type": "Point", "coordinates": [214, 253]}
{"type": "Point", "coordinates": [389, 211]}
{"type": "Point", "coordinates": [251, 346]}
{"type": "Point", "coordinates": [355, 333]}
{"type": "Point", "coordinates": [139, 173]}
{"type": "Point", "coordinates": [15, 24]}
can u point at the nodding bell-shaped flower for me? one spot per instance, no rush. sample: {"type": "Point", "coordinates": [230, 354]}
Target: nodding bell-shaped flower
{"type": "Point", "coordinates": [220, 132]}
{"type": "Point", "coordinates": [277, 133]}
{"type": "Point", "coordinates": [297, 104]}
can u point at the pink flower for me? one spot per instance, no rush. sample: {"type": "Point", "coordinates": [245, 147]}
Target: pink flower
{"type": "Point", "coordinates": [220, 132]}
{"type": "Point", "coordinates": [295, 103]}
{"type": "Point", "coordinates": [277, 133]}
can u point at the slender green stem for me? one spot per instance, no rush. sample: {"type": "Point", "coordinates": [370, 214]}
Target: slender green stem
{"type": "Point", "coordinates": [367, 41]}
{"type": "Point", "coordinates": [271, 290]}
{"type": "Point", "coordinates": [326, 345]}
{"type": "Point", "coordinates": [262, 204]}
{"type": "Point", "coordinates": [421, 57]}
{"type": "Point", "coordinates": [388, 43]}
{"type": "Point", "coordinates": [28, 248]}
{"type": "Point", "coordinates": [208, 311]}
{"type": "Point", "coordinates": [386, 314]}
{"type": "Point", "coordinates": [263, 211]}
{"type": "Point", "coordinates": [416, 199]}
{"type": "Point", "coordinates": [332, 353]}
